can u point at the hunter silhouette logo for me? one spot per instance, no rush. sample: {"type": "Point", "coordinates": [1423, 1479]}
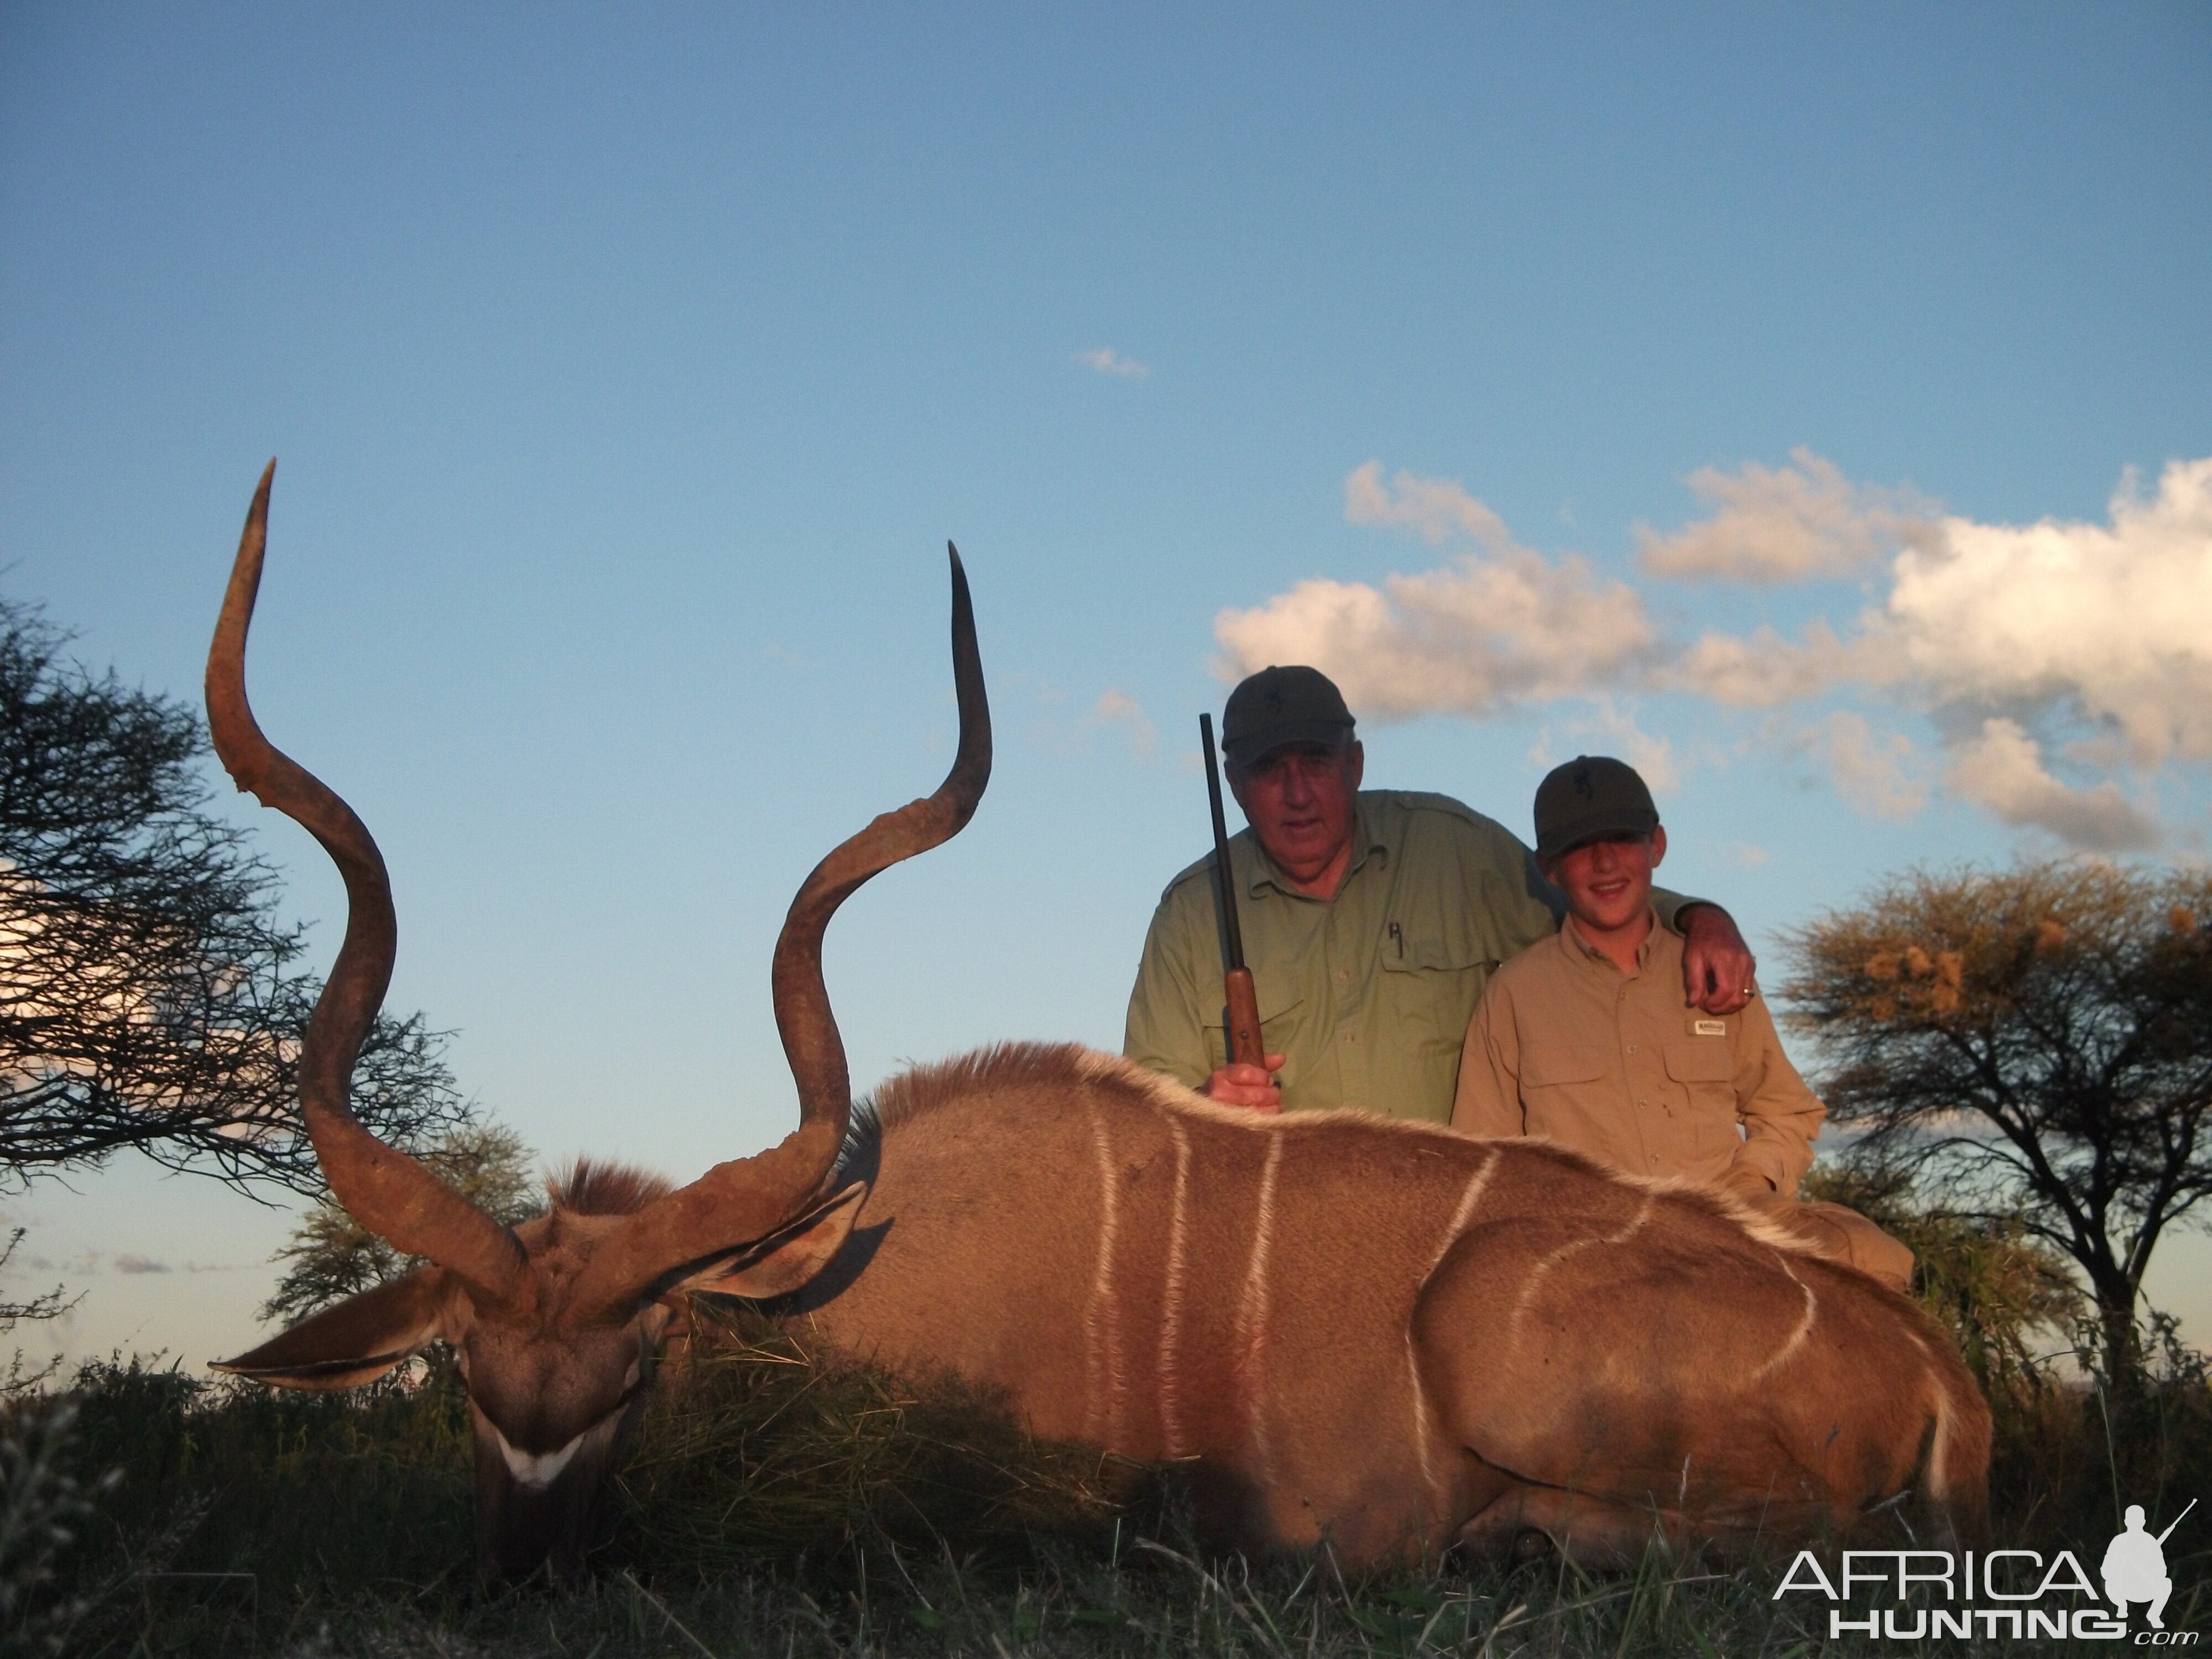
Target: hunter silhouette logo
{"type": "Point", "coordinates": [2135, 1566]}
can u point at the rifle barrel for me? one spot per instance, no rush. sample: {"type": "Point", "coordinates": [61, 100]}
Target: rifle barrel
{"type": "Point", "coordinates": [1224, 886]}
{"type": "Point", "coordinates": [1240, 1013]}
{"type": "Point", "coordinates": [2176, 1521]}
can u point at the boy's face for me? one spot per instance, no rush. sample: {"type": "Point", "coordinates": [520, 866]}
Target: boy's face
{"type": "Point", "coordinates": [1608, 882]}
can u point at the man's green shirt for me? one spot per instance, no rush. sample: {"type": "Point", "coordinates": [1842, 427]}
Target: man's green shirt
{"type": "Point", "coordinates": [1367, 994]}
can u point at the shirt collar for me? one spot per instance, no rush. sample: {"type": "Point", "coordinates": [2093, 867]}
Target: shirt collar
{"type": "Point", "coordinates": [1572, 942]}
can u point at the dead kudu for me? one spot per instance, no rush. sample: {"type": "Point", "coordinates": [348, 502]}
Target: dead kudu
{"type": "Point", "coordinates": [1334, 1327]}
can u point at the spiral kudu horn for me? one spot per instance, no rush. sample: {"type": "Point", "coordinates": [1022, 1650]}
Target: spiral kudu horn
{"type": "Point", "coordinates": [740, 1200]}
{"type": "Point", "coordinates": [384, 1189]}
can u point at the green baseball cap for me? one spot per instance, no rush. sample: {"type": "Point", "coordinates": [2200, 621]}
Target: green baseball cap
{"type": "Point", "coordinates": [1589, 799]}
{"type": "Point", "coordinates": [1277, 707]}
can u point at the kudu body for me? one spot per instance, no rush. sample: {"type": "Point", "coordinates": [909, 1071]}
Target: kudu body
{"type": "Point", "coordinates": [1334, 1326]}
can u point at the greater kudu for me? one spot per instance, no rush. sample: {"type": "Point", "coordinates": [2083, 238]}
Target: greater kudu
{"type": "Point", "coordinates": [1335, 1327]}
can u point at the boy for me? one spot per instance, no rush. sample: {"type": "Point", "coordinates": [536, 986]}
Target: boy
{"type": "Point", "coordinates": [1586, 1039]}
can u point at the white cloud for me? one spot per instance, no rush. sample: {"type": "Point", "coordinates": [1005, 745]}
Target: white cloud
{"type": "Point", "coordinates": [1468, 639]}
{"type": "Point", "coordinates": [1653, 758]}
{"type": "Point", "coordinates": [1766, 670]}
{"type": "Point", "coordinates": [1106, 361]}
{"type": "Point", "coordinates": [1785, 525]}
{"type": "Point", "coordinates": [2089, 642]}
{"type": "Point", "coordinates": [1117, 709]}
{"type": "Point", "coordinates": [1876, 775]}
{"type": "Point", "coordinates": [2114, 623]}
{"type": "Point", "coordinates": [2003, 769]}
{"type": "Point", "coordinates": [1472, 636]}
{"type": "Point", "coordinates": [1435, 509]}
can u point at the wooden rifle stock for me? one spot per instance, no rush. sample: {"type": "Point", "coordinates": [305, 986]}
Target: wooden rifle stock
{"type": "Point", "coordinates": [1241, 1015]}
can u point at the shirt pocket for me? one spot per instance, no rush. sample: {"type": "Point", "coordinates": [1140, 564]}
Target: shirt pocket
{"type": "Point", "coordinates": [1705, 1068]}
{"type": "Point", "coordinates": [1432, 977]}
{"type": "Point", "coordinates": [1557, 1065]}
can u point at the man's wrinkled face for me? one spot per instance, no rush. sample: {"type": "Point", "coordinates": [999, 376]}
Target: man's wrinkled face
{"type": "Point", "coordinates": [1299, 802]}
{"type": "Point", "coordinates": [1609, 881]}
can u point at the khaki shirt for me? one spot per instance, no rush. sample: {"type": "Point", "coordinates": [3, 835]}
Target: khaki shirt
{"type": "Point", "coordinates": [1617, 1066]}
{"type": "Point", "coordinates": [1368, 993]}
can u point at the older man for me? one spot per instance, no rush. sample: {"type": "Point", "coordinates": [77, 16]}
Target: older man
{"type": "Point", "coordinates": [1371, 922]}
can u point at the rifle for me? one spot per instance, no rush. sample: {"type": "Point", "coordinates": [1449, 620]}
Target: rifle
{"type": "Point", "coordinates": [1241, 1018]}
{"type": "Point", "coordinates": [2176, 1521]}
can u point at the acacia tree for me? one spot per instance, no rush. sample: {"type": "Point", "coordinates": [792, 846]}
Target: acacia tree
{"type": "Point", "coordinates": [2039, 1042]}
{"type": "Point", "coordinates": [330, 1256]}
{"type": "Point", "coordinates": [146, 996]}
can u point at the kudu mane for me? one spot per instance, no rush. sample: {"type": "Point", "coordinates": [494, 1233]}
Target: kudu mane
{"type": "Point", "coordinates": [593, 1185]}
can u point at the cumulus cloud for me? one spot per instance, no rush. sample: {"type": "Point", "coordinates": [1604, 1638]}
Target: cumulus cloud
{"type": "Point", "coordinates": [1785, 525]}
{"type": "Point", "coordinates": [1106, 361]}
{"type": "Point", "coordinates": [1485, 631]}
{"type": "Point", "coordinates": [1652, 757]}
{"type": "Point", "coordinates": [1765, 671]}
{"type": "Point", "coordinates": [2113, 622]}
{"type": "Point", "coordinates": [2092, 641]}
{"type": "Point", "coordinates": [1470, 638]}
{"type": "Point", "coordinates": [2003, 769]}
{"type": "Point", "coordinates": [1877, 776]}
{"type": "Point", "coordinates": [1115, 709]}
{"type": "Point", "coordinates": [1435, 509]}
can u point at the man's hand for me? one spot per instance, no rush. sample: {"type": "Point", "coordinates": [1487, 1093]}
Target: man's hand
{"type": "Point", "coordinates": [1716, 964]}
{"type": "Point", "coordinates": [1248, 1085]}
{"type": "Point", "coordinates": [1747, 1184]}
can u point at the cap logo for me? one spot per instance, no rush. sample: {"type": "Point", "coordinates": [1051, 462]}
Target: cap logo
{"type": "Point", "coordinates": [1583, 785]}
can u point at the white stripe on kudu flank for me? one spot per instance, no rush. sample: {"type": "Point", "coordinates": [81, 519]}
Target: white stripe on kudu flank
{"type": "Point", "coordinates": [1424, 1425]}
{"type": "Point", "coordinates": [1797, 1337]}
{"type": "Point", "coordinates": [1171, 1294]}
{"type": "Point", "coordinates": [1464, 1214]}
{"type": "Point", "coordinates": [1101, 1359]}
{"type": "Point", "coordinates": [1252, 1311]}
{"type": "Point", "coordinates": [1543, 1269]}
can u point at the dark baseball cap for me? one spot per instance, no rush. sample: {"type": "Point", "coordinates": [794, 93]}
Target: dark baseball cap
{"type": "Point", "coordinates": [1589, 799]}
{"type": "Point", "coordinates": [1277, 707]}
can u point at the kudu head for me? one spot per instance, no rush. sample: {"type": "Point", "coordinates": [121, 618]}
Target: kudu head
{"type": "Point", "coordinates": [554, 1321]}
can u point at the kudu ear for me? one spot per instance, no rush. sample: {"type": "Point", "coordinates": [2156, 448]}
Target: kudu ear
{"type": "Point", "coordinates": [789, 1257]}
{"type": "Point", "coordinates": [355, 1341]}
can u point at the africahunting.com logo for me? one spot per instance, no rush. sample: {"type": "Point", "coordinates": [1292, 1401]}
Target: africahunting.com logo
{"type": "Point", "coordinates": [2013, 1594]}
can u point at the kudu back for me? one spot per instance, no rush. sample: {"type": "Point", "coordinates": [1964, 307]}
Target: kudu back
{"type": "Point", "coordinates": [1332, 1327]}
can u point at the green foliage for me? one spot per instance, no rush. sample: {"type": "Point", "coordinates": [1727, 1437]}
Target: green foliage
{"type": "Point", "coordinates": [333, 1257]}
{"type": "Point", "coordinates": [2035, 1042]}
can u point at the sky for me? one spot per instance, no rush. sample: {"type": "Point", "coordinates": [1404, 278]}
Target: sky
{"type": "Point", "coordinates": [1811, 405]}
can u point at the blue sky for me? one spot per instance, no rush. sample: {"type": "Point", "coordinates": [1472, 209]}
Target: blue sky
{"type": "Point", "coordinates": [629, 367]}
